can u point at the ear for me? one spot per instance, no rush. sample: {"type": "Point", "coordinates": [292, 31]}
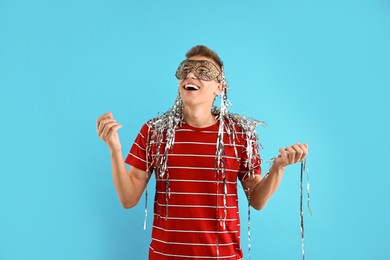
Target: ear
{"type": "Point", "coordinates": [219, 88]}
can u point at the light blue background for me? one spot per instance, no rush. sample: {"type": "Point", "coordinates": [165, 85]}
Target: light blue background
{"type": "Point", "coordinates": [315, 71]}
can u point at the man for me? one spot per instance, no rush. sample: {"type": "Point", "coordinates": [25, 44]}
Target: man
{"type": "Point", "coordinates": [197, 153]}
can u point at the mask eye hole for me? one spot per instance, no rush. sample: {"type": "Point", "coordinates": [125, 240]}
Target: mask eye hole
{"type": "Point", "coordinates": [186, 67]}
{"type": "Point", "coordinates": [203, 70]}
{"type": "Point", "coordinates": [185, 71]}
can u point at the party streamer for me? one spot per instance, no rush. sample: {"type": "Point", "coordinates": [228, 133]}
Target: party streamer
{"type": "Point", "coordinates": [161, 138]}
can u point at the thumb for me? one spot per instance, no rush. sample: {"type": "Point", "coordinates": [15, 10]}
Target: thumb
{"type": "Point", "coordinates": [282, 151]}
{"type": "Point", "coordinates": [117, 127]}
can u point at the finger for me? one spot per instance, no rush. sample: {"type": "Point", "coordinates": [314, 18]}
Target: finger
{"type": "Point", "coordinates": [103, 124]}
{"type": "Point", "coordinates": [304, 148]}
{"type": "Point", "coordinates": [290, 154]}
{"type": "Point", "coordinates": [113, 130]}
{"type": "Point", "coordinates": [103, 127]}
{"type": "Point", "coordinates": [107, 129]}
{"type": "Point", "coordinates": [283, 153]}
{"type": "Point", "coordinates": [298, 152]}
{"type": "Point", "coordinates": [100, 118]}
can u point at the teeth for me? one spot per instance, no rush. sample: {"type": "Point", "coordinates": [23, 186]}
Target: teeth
{"type": "Point", "coordinates": [191, 87]}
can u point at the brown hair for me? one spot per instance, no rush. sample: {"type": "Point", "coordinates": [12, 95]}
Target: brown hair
{"type": "Point", "coordinates": [201, 50]}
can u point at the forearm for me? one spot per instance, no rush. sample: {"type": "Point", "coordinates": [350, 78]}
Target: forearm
{"type": "Point", "coordinates": [123, 182]}
{"type": "Point", "coordinates": [263, 190]}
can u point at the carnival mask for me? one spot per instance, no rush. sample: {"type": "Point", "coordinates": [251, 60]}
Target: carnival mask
{"type": "Point", "coordinates": [202, 69]}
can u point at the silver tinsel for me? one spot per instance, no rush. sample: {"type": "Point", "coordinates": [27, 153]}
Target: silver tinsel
{"type": "Point", "coordinates": [162, 131]}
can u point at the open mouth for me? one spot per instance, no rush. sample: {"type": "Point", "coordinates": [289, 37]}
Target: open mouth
{"type": "Point", "coordinates": [191, 87]}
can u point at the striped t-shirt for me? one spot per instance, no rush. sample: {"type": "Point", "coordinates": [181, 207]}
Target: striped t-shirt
{"type": "Point", "coordinates": [190, 228]}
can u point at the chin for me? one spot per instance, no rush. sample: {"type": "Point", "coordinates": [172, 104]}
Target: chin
{"type": "Point", "coordinates": [189, 103]}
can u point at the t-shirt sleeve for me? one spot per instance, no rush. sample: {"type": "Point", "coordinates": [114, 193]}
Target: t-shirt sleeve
{"type": "Point", "coordinates": [137, 154]}
{"type": "Point", "coordinates": [244, 165]}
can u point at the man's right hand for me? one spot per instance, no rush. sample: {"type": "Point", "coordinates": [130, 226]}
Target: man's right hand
{"type": "Point", "coordinates": [107, 130]}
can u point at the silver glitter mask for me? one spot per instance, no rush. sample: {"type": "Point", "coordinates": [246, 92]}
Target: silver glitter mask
{"type": "Point", "coordinates": [202, 69]}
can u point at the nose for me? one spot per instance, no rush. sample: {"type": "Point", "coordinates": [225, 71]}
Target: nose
{"type": "Point", "coordinates": [191, 75]}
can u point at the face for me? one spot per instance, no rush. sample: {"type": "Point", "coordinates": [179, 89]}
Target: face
{"type": "Point", "coordinates": [199, 81]}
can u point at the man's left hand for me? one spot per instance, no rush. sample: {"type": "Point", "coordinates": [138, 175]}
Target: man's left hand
{"type": "Point", "coordinates": [291, 154]}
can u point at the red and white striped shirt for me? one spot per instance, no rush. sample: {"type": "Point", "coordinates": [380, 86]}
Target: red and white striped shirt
{"type": "Point", "coordinates": [191, 227]}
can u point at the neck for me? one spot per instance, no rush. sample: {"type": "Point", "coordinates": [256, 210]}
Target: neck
{"type": "Point", "coordinates": [199, 116]}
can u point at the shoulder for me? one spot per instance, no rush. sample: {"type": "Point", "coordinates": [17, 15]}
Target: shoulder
{"type": "Point", "coordinates": [161, 124]}
{"type": "Point", "coordinates": [161, 120]}
{"type": "Point", "coordinates": [244, 124]}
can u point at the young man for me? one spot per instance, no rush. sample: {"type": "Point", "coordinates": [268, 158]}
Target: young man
{"type": "Point", "coordinates": [197, 153]}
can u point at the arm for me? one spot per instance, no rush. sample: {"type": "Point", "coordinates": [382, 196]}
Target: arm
{"type": "Point", "coordinates": [260, 196]}
{"type": "Point", "coordinates": [129, 185]}
{"type": "Point", "coordinates": [261, 190]}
